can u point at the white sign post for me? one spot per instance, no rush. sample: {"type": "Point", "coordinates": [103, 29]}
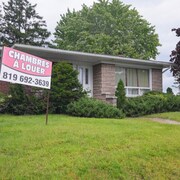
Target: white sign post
{"type": "Point", "coordinates": [23, 68]}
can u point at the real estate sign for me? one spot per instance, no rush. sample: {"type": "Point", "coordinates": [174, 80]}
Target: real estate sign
{"type": "Point", "coordinates": [23, 68]}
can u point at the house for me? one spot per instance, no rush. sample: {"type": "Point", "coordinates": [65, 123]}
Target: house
{"type": "Point", "coordinates": [99, 74]}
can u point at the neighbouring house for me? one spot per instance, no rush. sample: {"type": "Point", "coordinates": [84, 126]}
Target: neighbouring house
{"type": "Point", "coordinates": [99, 74]}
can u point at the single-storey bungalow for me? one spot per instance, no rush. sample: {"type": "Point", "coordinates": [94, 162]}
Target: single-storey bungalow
{"type": "Point", "coordinates": [99, 74]}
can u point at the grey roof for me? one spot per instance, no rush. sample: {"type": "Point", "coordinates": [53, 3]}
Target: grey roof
{"type": "Point", "coordinates": [56, 55]}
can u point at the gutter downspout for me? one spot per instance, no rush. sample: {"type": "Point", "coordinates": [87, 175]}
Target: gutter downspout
{"type": "Point", "coordinates": [166, 70]}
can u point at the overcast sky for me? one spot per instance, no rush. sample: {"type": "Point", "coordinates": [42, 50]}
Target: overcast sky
{"type": "Point", "coordinates": [163, 14]}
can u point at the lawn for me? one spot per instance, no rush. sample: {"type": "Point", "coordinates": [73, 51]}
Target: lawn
{"type": "Point", "coordinates": [87, 148]}
{"type": "Point", "coordinates": [173, 116]}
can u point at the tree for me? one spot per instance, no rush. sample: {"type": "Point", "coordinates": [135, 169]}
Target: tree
{"type": "Point", "coordinates": [23, 24]}
{"type": "Point", "coordinates": [65, 87]}
{"type": "Point", "coordinates": [120, 94]}
{"type": "Point", "coordinates": [108, 28]}
{"type": "Point", "coordinates": [175, 58]}
{"type": "Point", "coordinates": [169, 91]}
{"type": "Point", "coordinates": [1, 17]}
{"type": "Point", "coordinates": [1, 26]}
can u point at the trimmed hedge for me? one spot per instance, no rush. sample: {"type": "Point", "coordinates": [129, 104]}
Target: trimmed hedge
{"type": "Point", "coordinates": [151, 103]}
{"type": "Point", "coordinates": [89, 107]}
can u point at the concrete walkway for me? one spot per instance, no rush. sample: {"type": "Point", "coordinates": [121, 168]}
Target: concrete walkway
{"type": "Point", "coordinates": [164, 121]}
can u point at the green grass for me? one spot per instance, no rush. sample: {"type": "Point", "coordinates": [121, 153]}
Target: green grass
{"type": "Point", "coordinates": [87, 148]}
{"type": "Point", "coordinates": [170, 115]}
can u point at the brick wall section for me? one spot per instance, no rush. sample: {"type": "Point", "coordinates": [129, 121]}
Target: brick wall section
{"type": "Point", "coordinates": [4, 87]}
{"type": "Point", "coordinates": [108, 79]}
{"type": "Point", "coordinates": [97, 82]}
{"type": "Point", "coordinates": [104, 82]}
{"type": "Point", "coordinates": [157, 79]}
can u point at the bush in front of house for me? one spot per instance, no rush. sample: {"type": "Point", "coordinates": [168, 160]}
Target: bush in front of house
{"type": "Point", "coordinates": [65, 87]}
{"type": "Point", "coordinates": [3, 102]}
{"type": "Point", "coordinates": [89, 107]}
{"type": "Point", "coordinates": [170, 102]}
{"type": "Point", "coordinates": [169, 91]}
{"type": "Point", "coordinates": [151, 102]}
{"type": "Point", "coordinates": [120, 94]}
{"type": "Point", "coordinates": [173, 103]}
{"type": "Point", "coordinates": [20, 102]}
{"type": "Point", "coordinates": [143, 105]}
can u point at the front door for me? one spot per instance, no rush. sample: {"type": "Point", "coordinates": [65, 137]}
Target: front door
{"type": "Point", "coordinates": [85, 78]}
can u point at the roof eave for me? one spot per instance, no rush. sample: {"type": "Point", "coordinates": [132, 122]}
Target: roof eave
{"type": "Point", "coordinates": [57, 55]}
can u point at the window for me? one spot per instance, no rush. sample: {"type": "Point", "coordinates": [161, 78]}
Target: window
{"type": "Point", "coordinates": [131, 78]}
{"type": "Point", "coordinates": [86, 76]}
{"type": "Point", "coordinates": [120, 74]}
{"type": "Point", "coordinates": [143, 77]}
{"type": "Point", "coordinates": [81, 75]}
{"type": "Point", "coordinates": [136, 81]}
{"type": "Point", "coordinates": [132, 91]}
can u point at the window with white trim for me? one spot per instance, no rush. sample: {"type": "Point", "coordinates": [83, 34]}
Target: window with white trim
{"type": "Point", "coordinates": [81, 75]}
{"type": "Point", "coordinates": [86, 76]}
{"type": "Point", "coordinates": [136, 81]}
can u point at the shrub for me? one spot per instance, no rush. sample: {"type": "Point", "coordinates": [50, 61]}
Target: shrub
{"type": "Point", "coordinates": [89, 107]}
{"type": "Point", "coordinates": [65, 87]}
{"type": "Point", "coordinates": [153, 93]}
{"type": "Point", "coordinates": [2, 98]}
{"type": "Point", "coordinates": [3, 102]}
{"type": "Point", "coordinates": [169, 91]}
{"type": "Point", "coordinates": [152, 102]}
{"type": "Point", "coordinates": [22, 102]}
{"type": "Point", "coordinates": [120, 94]}
{"type": "Point", "coordinates": [173, 103]}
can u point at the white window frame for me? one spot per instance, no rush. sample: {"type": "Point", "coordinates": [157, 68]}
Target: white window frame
{"type": "Point", "coordinates": [139, 89]}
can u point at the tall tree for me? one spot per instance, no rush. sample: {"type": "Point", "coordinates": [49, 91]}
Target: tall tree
{"type": "Point", "coordinates": [23, 24]}
{"type": "Point", "coordinates": [109, 28]}
{"type": "Point", "coordinates": [120, 94]}
{"type": "Point", "coordinates": [65, 87]}
{"type": "Point", "coordinates": [1, 17]}
{"type": "Point", "coordinates": [1, 26]}
{"type": "Point", "coordinates": [175, 58]}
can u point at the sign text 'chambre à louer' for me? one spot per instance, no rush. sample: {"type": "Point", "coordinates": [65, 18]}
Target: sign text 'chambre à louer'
{"type": "Point", "coordinates": [23, 68]}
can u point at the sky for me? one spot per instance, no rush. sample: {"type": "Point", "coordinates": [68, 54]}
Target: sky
{"type": "Point", "coordinates": [163, 14]}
